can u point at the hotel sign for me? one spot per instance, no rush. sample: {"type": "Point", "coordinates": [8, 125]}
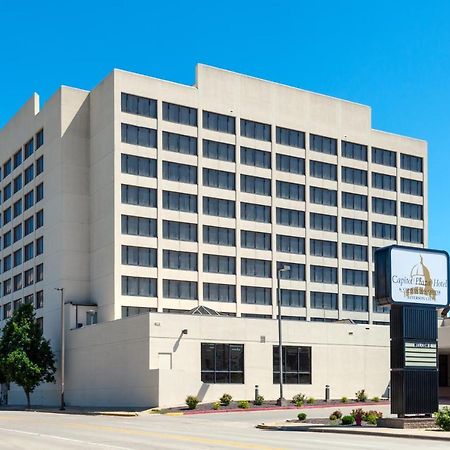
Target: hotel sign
{"type": "Point", "coordinates": [412, 276]}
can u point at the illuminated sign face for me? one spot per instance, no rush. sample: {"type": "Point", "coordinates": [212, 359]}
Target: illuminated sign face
{"type": "Point", "coordinates": [418, 276]}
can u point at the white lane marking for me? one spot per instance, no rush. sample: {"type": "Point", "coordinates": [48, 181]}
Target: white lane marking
{"type": "Point", "coordinates": [51, 436]}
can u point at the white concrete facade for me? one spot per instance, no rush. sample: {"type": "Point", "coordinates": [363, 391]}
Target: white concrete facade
{"type": "Point", "coordinates": [83, 207]}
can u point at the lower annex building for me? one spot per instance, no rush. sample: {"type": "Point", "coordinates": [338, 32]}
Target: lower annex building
{"type": "Point", "coordinates": [165, 211]}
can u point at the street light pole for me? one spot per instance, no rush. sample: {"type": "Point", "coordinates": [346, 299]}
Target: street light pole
{"type": "Point", "coordinates": [281, 401]}
{"type": "Point", "coordinates": [63, 343]}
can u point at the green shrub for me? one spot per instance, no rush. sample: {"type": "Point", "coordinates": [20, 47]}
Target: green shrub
{"type": "Point", "coordinates": [344, 399]}
{"type": "Point", "coordinates": [225, 399]}
{"type": "Point", "coordinates": [348, 420]}
{"type": "Point", "coordinates": [376, 414]}
{"type": "Point", "coordinates": [216, 405]}
{"type": "Point", "coordinates": [338, 414]}
{"type": "Point", "coordinates": [301, 416]}
{"type": "Point", "coordinates": [299, 399]}
{"type": "Point", "coordinates": [259, 400]}
{"type": "Point", "coordinates": [192, 401]}
{"type": "Point", "coordinates": [376, 399]}
{"type": "Point", "coordinates": [333, 417]}
{"type": "Point", "coordinates": [244, 404]}
{"type": "Point", "coordinates": [371, 418]}
{"type": "Point", "coordinates": [311, 401]}
{"type": "Point", "coordinates": [361, 395]}
{"type": "Point", "coordinates": [442, 418]}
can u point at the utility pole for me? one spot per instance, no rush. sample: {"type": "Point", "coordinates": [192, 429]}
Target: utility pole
{"type": "Point", "coordinates": [63, 349]}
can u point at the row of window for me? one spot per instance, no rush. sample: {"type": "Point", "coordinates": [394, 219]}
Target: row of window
{"type": "Point", "coordinates": [32, 299]}
{"type": "Point", "coordinates": [22, 154]}
{"type": "Point", "coordinates": [23, 204]}
{"type": "Point", "coordinates": [24, 254]}
{"type": "Point", "coordinates": [19, 281]}
{"type": "Point", "coordinates": [261, 131]}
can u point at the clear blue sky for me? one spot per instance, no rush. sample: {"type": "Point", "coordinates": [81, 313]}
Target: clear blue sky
{"type": "Point", "coordinates": [391, 55]}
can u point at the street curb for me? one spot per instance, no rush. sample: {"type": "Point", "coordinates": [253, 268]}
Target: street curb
{"type": "Point", "coordinates": [348, 431]}
{"type": "Point", "coordinates": [76, 412]}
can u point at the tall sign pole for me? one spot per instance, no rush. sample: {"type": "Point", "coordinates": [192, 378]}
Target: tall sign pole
{"type": "Point", "coordinates": [414, 283]}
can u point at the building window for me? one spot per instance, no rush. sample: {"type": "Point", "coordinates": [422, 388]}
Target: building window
{"type": "Point", "coordinates": [39, 219]}
{"type": "Point", "coordinates": [323, 274]}
{"type": "Point", "coordinates": [255, 213]}
{"type": "Point", "coordinates": [354, 151]}
{"type": "Point", "coordinates": [7, 311]}
{"type": "Point", "coordinates": [384, 231]}
{"type": "Point", "coordinates": [180, 114]}
{"type": "Point", "coordinates": [293, 298]}
{"type": "Point", "coordinates": [413, 235]}
{"type": "Point", "coordinates": [354, 176]}
{"type": "Point", "coordinates": [322, 196]}
{"type": "Point", "coordinates": [39, 165]}
{"type": "Point", "coordinates": [290, 244]}
{"type": "Point", "coordinates": [17, 208]}
{"type": "Point", "coordinates": [219, 179]}
{"type": "Point", "coordinates": [356, 202]}
{"type": "Point", "coordinates": [256, 268]}
{"type": "Point", "coordinates": [290, 217]}
{"type": "Point", "coordinates": [413, 163]}
{"type": "Point", "coordinates": [292, 138]}
{"type": "Point", "coordinates": [17, 158]}
{"type": "Point", "coordinates": [256, 158]}
{"type": "Point", "coordinates": [186, 290]}
{"type": "Point", "coordinates": [179, 231]}
{"type": "Point", "coordinates": [17, 183]}
{"type": "Point", "coordinates": [29, 196]}
{"type": "Point", "coordinates": [29, 174]}
{"type": "Point", "coordinates": [28, 148]}
{"type": "Point", "coordinates": [29, 225]}
{"type": "Point", "coordinates": [219, 264]}
{"type": "Point", "coordinates": [138, 256]}
{"type": "Point", "coordinates": [323, 144]}
{"type": "Point", "coordinates": [324, 300]}
{"type": "Point", "coordinates": [39, 139]}
{"type": "Point", "coordinates": [290, 191]}
{"type": "Point", "coordinates": [222, 363]}
{"type": "Point", "coordinates": [179, 143]}
{"type": "Point", "coordinates": [256, 295]}
{"type": "Point", "coordinates": [17, 282]}
{"type": "Point", "coordinates": [177, 201]}
{"type": "Point", "coordinates": [214, 292]}
{"type": "Point", "coordinates": [411, 187]}
{"type": "Point", "coordinates": [137, 195]}
{"type": "Point", "coordinates": [256, 240]}
{"type": "Point", "coordinates": [411, 211]}
{"type": "Point", "coordinates": [7, 239]}
{"type": "Point", "coordinates": [325, 249]}
{"type": "Point", "coordinates": [7, 168]}
{"type": "Point", "coordinates": [140, 106]}
{"type": "Point", "coordinates": [323, 170]}
{"type": "Point", "coordinates": [145, 137]}
{"type": "Point", "coordinates": [352, 277]}
{"type": "Point", "coordinates": [138, 226]}
{"type": "Point", "coordinates": [39, 246]}
{"type": "Point", "coordinates": [255, 130]}
{"type": "Point", "coordinates": [17, 256]}
{"type": "Point", "coordinates": [219, 122]}
{"type": "Point", "coordinates": [7, 286]}
{"type": "Point", "coordinates": [7, 263]}
{"type": "Point", "coordinates": [296, 365]}
{"type": "Point", "coordinates": [28, 299]}
{"type": "Point", "coordinates": [255, 185]}
{"type": "Point", "coordinates": [296, 272]}
{"type": "Point", "coordinates": [323, 222]}
{"type": "Point", "coordinates": [175, 260]}
{"type": "Point", "coordinates": [354, 226]}
{"type": "Point", "coordinates": [137, 165]}
{"type": "Point", "coordinates": [183, 173]}
{"type": "Point", "coordinates": [137, 286]}
{"type": "Point", "coordinates": [290, 164]}
{"type": "Point", "coordinates": [377, 308]}
{"type": "Point", "coordinates": [28, 251]}
{"type": "Point", "coordinates": [17, 232]}
{"type": "Point", "coordinates": [384, 206]}
{"type": "Point", "coordinates": [29, 277]}
{"type": "Point", "coordinates": [355, 303]}
{"type": "Point", "coordinates": [383, 181]}
{"type": "Point", "coordinates": [384, 157]}
{"type": "Point", "coordinates": [39, 272]}
{"type": "Point", "coordinates": [218, 150]}
{"type": "Point", "coordinates": [218, 236]}
{"type": "Point", "coordinates": [354, 252]}
{"type": "Point", "coordinates": [219, 207]}
{"type": "Point", "coordinates": [7, 192]}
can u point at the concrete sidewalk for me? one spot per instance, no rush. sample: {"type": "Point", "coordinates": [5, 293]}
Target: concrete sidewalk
{"type": "Point", "coordinates": [74, 410]}
{"type": "Point", "coordinates": [431, 434]}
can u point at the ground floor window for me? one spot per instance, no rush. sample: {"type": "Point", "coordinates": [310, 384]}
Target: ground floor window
{"type": "Point", "coordinates": [296, 365]}
{"type": "Point", "coordinates": [222, 363]}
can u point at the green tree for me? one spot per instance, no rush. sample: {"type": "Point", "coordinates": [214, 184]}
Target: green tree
{"type": "Point", "coordinates": [25, 356]}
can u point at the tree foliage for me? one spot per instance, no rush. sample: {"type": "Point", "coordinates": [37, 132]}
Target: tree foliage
{"type": "Point", "coordinates": [26, 358]}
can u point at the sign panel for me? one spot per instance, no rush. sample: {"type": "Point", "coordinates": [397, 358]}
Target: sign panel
{"type": "Point", "coordinates": [406, 275]}
{"type": "Point", "coordinates": [420, 354]}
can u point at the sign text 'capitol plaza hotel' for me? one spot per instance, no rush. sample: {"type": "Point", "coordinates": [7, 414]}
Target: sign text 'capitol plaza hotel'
{"type": "Point", "coordinates": [146, 196]}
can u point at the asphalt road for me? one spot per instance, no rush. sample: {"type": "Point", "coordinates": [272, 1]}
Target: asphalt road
{"type": "Point", "coordinates": [37, 430]}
